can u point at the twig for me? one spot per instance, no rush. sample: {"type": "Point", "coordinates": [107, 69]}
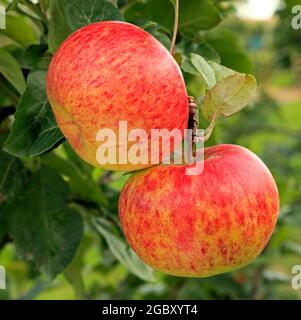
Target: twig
{"type": "Point", "coordinates": [193, 123]}
{"type": "Point", "coordinates": [210, 129]}
{"type": "Point", "coordinates": [176, 27]}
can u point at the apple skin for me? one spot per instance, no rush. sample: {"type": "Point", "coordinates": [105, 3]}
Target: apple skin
{"type": "Point", "coordinates": [203, 225]}
{"type": "Point", "coordinates": [114, 71]}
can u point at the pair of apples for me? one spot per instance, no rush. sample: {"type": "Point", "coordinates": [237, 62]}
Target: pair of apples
{"type": "Point", "coordinates": [183, 225]}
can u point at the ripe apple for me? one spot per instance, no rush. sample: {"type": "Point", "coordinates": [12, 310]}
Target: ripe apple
{"type": "Point", "coordinates": [202, 225]}
{"type": "Point", "coordinates": [108, 72]}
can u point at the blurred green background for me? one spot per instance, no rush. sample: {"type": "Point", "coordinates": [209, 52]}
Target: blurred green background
{"type": "Point", "coordinates": [265, 44]}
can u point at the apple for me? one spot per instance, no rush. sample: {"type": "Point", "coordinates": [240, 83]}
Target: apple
{"type": "Point", "coordinates": [109, 72]}
{"type": "Point", "coordinates": [201, 225]}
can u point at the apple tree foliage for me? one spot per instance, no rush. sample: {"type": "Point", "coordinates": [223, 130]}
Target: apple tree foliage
{"type": "Point", "coordinates": [50, 200]}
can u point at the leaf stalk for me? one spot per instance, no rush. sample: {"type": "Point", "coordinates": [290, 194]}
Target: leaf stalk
{"type": "Point", "coordinates": [176, 27]}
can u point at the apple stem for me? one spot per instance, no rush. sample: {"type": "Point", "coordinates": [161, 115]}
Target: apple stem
{"type": "Point", "coordinates": [193, 124]}
{"type": "Point", "coordinates": [193, 120]}
{"type": "Point", "coordinates": [211, 127]}
{"type": "Point", "coordinates": [193, 116]}
{"type": "Point", "coordinates": [176, 27]}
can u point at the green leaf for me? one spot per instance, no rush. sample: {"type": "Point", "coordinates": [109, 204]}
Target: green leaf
{"type": "Point", "coordinates": [78, 183]}
{"type": "Point", "coordinates": [198, 15]}
{"type": "Point", "coordinates": [37, 57]}
{"type": "Point", "coordinates": [203, 67]}
{"type": "Point", "coordinates": [195, 15]}
{"type": "Point", "coordinates": [34, 130]}
{"type": "Point", "coordinates": [187, 66]}
{"type": "Point", "coordinates": [34, 57]}
{"type": "Point", "coordinates": [44, 229]}
{"type": "Point", "coordinates": [12, 176]}
{"type": "Point", "coordinates": [196, 45]}
{"type": "Point", "coordinates": [58, 27]}
{"type": "Point", "coordinates": [14, 26]}
{"type": "Point", "coordinates": [11, 70]}
{"type": "Point", "coordinates": [230, 50]}
{"type": "Point", "coordinates": [229, 96]}
{"type": "Point", "coordinates": [197, 65]}
{"type": "Point", "coordinates": [206, 51]}
{"type": "Point", "coordinates": [159, 32]}
{"type": "Point", "coordinates": [220, 71]}
{"type": "Point", "coordinates": [122, 252]}
{"type": "Point", "coordinates": [80, 13]}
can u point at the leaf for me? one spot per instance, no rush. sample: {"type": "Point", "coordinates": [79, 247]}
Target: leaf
{"type": "Point", "coordinates": [37, 57]}
{"type": "Point", "coordinates": [198, 15]}
{"type": "Point", "coordinates": [44, 229]}
{"type": "Point", "coordinates": [200, 67]}
{"type": "Point", "coordinates": [159, 32]}
{"type": "Point", "coordinates": [80, 13]}
{"type": "Point", "coordinates": [12, 176]}
{"type": "Point", "coordinates": [58, 27]}
{"type": "Point", "coordinates": [230, 50]}
{"type": "Point", "coordinates": [195, 15]}
{"type": "Point", "coordinates": [220, 71]}
{"type": "Point", "coordinates": [207, 52]}
{"type": "Point", "coordinates": [122, 252]}
{"type": "Point", "coordinates": [11, 70]}
{"type": "Point", "coordinates": [187, 66]}
{"type": "Point", "coordinates": [34, 130]}
{"type": "Point", "coordinates": [195, 45]}
{"type": "Point", "coordinates": [78, 183]}
{"type": "Point", "coordinates": [229, 96]}
{"type": "Point", "coordinates": [15, 24]}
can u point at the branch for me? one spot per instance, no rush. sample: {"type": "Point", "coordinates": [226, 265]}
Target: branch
{"type": "Point", "coordinates": [176, 27]}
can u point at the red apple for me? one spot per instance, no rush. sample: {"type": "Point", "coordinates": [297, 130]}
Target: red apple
{"type": "Point", "coordinates": [202, 225]}
{"type": "Point", "coordinates": [108, 72]}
